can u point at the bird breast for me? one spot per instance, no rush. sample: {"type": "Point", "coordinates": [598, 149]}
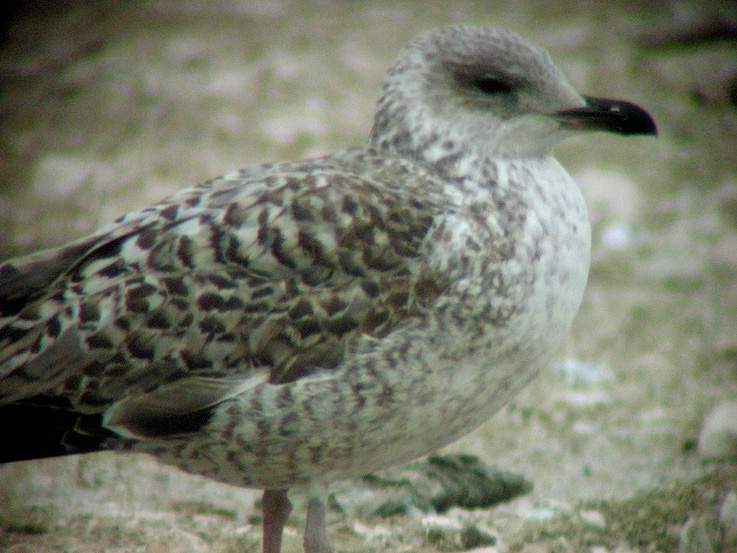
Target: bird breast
{"type": "Point", "coordinates": [515, 255]}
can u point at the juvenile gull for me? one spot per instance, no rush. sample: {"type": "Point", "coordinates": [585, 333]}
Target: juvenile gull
{"type": "Point", "coordinates": [296, 323]}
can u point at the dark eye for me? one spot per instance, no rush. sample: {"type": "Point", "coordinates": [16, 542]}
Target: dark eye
{"type": "Point", "coordinates": [493, 86]}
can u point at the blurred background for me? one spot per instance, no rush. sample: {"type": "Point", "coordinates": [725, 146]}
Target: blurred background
{"type": "Point", "coordinates": [110, 106]}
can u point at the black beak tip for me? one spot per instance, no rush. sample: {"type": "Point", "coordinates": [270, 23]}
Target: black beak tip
{"type": "Point", "coordinates": [622, 117]}
{"type": "Point", "coordinates": [636, 120]}
{"type": "Point", "coordinates": [615, 116]}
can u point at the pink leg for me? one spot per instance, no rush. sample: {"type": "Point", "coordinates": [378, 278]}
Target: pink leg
{"type": "Point", "coordinates": [316, 537]}
{"type": "Point", "coordinates": [276, 508]}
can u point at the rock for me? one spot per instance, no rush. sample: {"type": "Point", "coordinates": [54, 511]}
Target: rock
{"type": "Point", "coordinates": [440, 529]}
{"type": "Point", "coordinates": [477, 536]}
{"type": "Point", "coordinates": [593, 518]}
{"type": "Point", "coordinates": [456, 530]}
{"type": "Point", "coordinates": [436, 485]}
{"type": "Point", "coordinates": [379, 537]}
{"type": "Point", "coordinates": [700, 534]}
{"type": "Point", "coordinates": [728, 521]}
{"type": "Point", "coordinates": [548, 510]}
{"type": "Point", "coordinates": [718, 437]}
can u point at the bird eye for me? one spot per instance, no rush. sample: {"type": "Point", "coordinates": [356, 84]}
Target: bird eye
{"type": "Point", "coordinates": [493, 86]}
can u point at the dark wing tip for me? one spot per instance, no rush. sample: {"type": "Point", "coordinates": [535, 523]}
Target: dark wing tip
{"type": "Point", "coordinates": [37, 432]}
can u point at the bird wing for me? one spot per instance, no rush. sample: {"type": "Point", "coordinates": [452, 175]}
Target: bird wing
{"type": "Point", "coordinates": [273, 272]}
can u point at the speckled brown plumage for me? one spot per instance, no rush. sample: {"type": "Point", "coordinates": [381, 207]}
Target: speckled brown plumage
{"type": "Point", "coordinates": [235, 276]}
{"type": "Point", "coordinates": [294, 323]}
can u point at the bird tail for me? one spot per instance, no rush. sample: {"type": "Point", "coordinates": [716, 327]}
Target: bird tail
{"type": "Point", "coordinates": [36, 431]}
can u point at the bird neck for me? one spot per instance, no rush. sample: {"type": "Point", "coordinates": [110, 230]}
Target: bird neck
{"type": "Point", "coordinates": [445, 145]}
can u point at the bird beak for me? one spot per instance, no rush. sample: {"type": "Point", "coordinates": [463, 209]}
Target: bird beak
{"type": "Point", "coordinates": [602, 114]}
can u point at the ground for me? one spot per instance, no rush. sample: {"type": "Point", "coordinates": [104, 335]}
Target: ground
{"type": "Point", "coordinates": [107, 107]}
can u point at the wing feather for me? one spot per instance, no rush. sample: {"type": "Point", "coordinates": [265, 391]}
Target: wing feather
{"type": "Point", "coordinates": [276, 271]}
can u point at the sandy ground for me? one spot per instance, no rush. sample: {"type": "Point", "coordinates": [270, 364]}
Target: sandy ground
{"type": "Point", "coordinates": [106, 107]}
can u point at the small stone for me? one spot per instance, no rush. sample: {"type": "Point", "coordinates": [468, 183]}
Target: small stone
{"type": "Point", "coordinates": [718, 437]}
{"type": "Point", "coordinates": [549, 510]}
{"type": "Point", "coordinates": [728, 511]}
{"type": "Point", "coordinates": [618, 237]}
{"type": "Point", "coordinates": [574, 372]}
{"type": "Point", "coordinates": [379, 537]}
{"type": "Point", "coordinates": [436, 484]}
{"type": "Point", "coordinates": [457, 530]}
{"type": "Point", "coordinates": [593, 518]}
{"type": "Point", "coordinates": [478, 535]}
{"type": "Point", "coordinates": [699, 535]}
{"type": "Point", "coordinates": [585, 399]}
{"type": "Point", "coordinates": [490, 549]}
{"type": "Point", "coordinates": [441, 521]}
{"type": "Point", "coordinates": [728, 521]}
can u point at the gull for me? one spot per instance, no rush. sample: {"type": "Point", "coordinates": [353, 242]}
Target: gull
{"type": "Point", "coordinates": [296, 323]}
